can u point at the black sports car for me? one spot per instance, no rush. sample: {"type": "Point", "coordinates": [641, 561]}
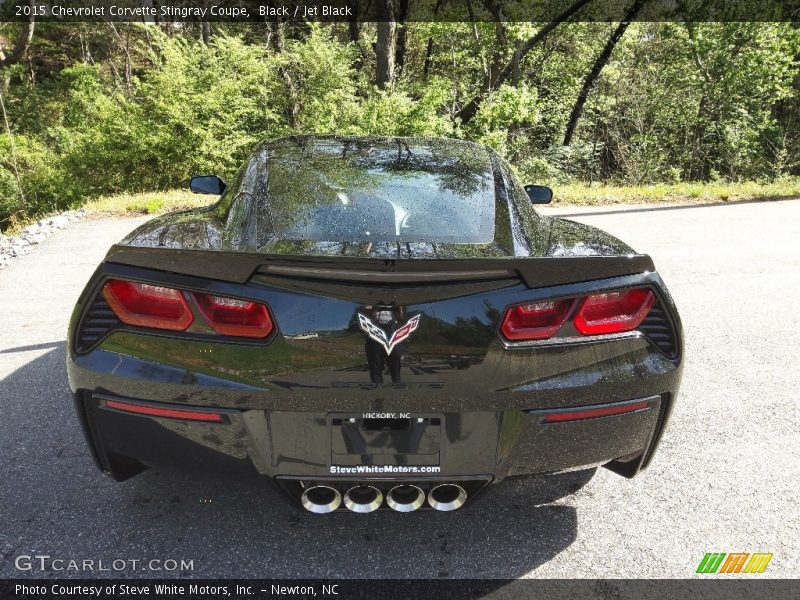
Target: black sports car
{"type": "Point", "coordinates": [374, 322]}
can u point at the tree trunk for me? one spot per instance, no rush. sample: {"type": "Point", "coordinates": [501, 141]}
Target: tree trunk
{"type": "Point", "coordinates": [515, 60]}
{"type": "Point", "coordinates": [700, 166]}
{"type": "Point", "coordinates": [21, 46]}
{"type": "Point", "coordinates": [470, 109]}
{"type": "Point", "coordinates": [427, 64]}
{"type": "Point", "coordinates": [495, 7]}
{"type": "Point", "coordinates": [276, 39]}
{"type": "Point", "coordinates": [353, 26]}
{"type": "Point", "coordinates": [206, 32]}
{"type": "Point", "coordinates": [123, 44]}
{"type": "Point", "coordinates": [385, 46]}
{"type": "Point", "coordinates": [596, 69]}
{"type": "Point", "coordinates": [476, 35]}
{"type": "Point", "coordinates": [402, 35]}
{"type": "Point", "coordinates": [429, 49]}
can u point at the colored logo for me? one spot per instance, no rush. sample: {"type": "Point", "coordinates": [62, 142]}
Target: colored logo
{"type": "Point", "coordinates": [379, 335]}
{"type": "Point", "coordinates": [735, 562]}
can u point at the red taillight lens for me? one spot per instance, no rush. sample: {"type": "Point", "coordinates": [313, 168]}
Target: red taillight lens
{"type": "Point", "coordinates": [536, 320]}
{"type": "Point", "coordinates": [148, 305]}
{"type": "Point", "coordinates": [613, 312]}
{"type": "Point", "coordinates": [230, 316]}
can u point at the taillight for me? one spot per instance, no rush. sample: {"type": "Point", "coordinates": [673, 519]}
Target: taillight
{"type": "Point", "coordinates": [230, 316]}
{"type": "Point", "coordinates": [614, 312]}
{"type": "Point", "coordinates": [536, 320]}
{"type": "Point", "coordinates": [607, 312]}
{"type": "Point", "coordinates": [159, 307]}
{"type": "Point", "coordinates": [148, 305]}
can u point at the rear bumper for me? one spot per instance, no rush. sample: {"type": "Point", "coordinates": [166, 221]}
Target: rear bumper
{"type": "Point", "coordinates": [279, 432]}
{"type": "Point", "coordinates": [343, 447]}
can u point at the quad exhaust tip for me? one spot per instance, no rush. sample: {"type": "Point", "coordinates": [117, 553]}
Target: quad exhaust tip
{"type": "Point", "coordinates": [405, 498]}
{"type": "Point", "coordinates": [321, 499]}
{"type": "Point", "coordinates": [447, 496]}
{"type": "Point", "coordinates": [363, 498]}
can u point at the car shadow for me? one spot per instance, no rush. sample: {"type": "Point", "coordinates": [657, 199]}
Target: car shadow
{"type": "Point", "coordinates": [233, 526]}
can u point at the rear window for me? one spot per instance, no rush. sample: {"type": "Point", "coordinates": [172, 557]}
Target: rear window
{"type": "Point", "coordinates": [378, 190]}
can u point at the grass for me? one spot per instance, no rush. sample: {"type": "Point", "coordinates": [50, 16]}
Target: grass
{"type": "Point", "coordinates": [678, 193]}
{"type": "Point", "coordinates": [128, 205]}
{"type": "Point", "coordinates": [148, 203]}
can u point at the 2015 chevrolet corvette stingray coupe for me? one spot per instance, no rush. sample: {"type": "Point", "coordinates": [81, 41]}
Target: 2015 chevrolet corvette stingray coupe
{"type": "Point", "coordinates": [374, 323]}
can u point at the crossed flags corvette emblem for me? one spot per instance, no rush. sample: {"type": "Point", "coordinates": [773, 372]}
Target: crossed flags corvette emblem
{"type": "Point", "coordinates": [379, 335]}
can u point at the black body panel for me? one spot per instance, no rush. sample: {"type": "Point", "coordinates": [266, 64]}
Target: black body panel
{"type": "Point", "coordinates": [320, 400]}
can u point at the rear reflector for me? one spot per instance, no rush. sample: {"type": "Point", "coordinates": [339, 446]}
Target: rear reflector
{"type": "Point", "coordinates": [536, 320]}
{"type": "Point", "coordinates": [593, 413]}
{"type": "Point", "coordinates": [148, 305]}
{"type": "Point", "coordinates": [230, 316]}
{"type": "Point", "coordinates": [614, 312]}
{"type": "Point", "coordinates": [169, 413]}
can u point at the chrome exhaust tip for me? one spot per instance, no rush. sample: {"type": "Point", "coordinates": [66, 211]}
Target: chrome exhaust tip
{"type": "Point", "coordinates": [405, 498]}
{"type": "Point", "coordinates": [321, 499]}
{"type": "Point", "coordinates": [447, 496]}
{"type": "Point", "coordinates": [363, 498]}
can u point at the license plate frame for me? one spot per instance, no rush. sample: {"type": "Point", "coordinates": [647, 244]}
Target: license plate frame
{"type": "Point", "coordinates": [405, 440]}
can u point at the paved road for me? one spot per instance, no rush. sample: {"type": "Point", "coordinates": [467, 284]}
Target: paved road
{"type": "Point", "coordinates": [726, 478]}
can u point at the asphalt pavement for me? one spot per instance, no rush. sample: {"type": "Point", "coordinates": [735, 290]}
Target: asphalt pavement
{"type": "Point", "coordinates": [725, 478]}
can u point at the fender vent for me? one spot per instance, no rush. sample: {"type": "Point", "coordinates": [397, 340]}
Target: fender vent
{"type": "Point", "coordinates": [96, 323]}
{"type": "Point", "coordinates": [657, 327]}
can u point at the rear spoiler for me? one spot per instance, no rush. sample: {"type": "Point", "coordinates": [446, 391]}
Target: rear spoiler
{"type": "Point", "coordinates": [240, 267]}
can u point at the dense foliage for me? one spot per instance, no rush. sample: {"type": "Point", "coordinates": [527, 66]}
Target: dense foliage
{"type": "Point", "coordinates": [100, 108]}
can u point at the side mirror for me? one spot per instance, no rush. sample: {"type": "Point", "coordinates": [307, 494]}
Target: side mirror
{"type": "Point", "coordinates": [207, 184]}
{"type": "Point", "coordinates": [539, 194]}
